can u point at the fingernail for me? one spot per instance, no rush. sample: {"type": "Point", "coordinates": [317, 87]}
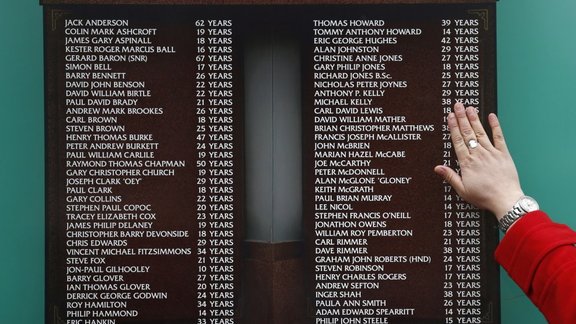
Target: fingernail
{"type": "Point", "coordinates": [458, 107]}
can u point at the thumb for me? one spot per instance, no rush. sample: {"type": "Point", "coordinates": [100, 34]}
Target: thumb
{"type": "Point", "coordinates": [451, 177]}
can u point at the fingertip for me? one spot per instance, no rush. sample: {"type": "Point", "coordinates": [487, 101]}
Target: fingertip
{"type": "Point", "coordinates": [497, 133]}
{"type": "Point", "coordinates": [494, 123]}
{"type": "Point", "coordinates": [458, 106]}
{"type": "Point", "coordinates": [440, 170]}
{"type": "Point", "coordinates": [471, 113]}
{"type": "Point", "coordinates": [452, 119]}
{"type": "Point", "coordinates": [493, 119]}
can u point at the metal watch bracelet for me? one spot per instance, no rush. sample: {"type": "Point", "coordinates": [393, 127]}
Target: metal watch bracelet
{"type": "Point", "coordinates": [523, 206]}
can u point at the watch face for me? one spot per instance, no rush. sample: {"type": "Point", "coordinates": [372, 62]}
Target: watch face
{"type": "Point", "coordinates": [528, 204]}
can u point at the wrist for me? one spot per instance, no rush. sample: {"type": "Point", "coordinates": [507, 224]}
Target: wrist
{"type": "Point", "coordinates": [523, 206]}
{"type": "Point", "coordinates": [506, 203]}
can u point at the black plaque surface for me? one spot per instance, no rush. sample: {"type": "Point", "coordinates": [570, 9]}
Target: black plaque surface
{"type": "Point", "coordinates": [146, 109]}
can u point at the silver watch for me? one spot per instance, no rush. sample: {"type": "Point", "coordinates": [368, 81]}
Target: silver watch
{"type": "Point", "coordinates": [523, 206]}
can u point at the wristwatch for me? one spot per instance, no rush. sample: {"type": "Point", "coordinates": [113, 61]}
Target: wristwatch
{"type": "Point", "coordinates": [523, 206]}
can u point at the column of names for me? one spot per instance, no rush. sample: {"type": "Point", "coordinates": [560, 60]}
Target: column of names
{"type": "Point", "coordinates": [107, 272]}
{"type": "Point", "coordinates": [357, 190]}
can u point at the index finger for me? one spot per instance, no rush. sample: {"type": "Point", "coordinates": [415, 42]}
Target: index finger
{"type": "Point", "coordinates": [458, 141]}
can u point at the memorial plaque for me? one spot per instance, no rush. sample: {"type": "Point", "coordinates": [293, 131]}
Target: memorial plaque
{"type": "Point", "coordinates": [391, 243]}
{"type": "Point", "coordinates": [264, 162]}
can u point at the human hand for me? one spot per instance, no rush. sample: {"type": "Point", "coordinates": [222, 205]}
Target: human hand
{"type": "Point", "coordinates": [488, 178]}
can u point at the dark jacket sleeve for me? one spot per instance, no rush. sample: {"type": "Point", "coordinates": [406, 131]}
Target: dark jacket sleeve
{"type": "Point", "coordinates": [539, 255]}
